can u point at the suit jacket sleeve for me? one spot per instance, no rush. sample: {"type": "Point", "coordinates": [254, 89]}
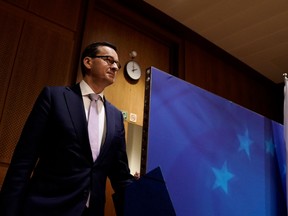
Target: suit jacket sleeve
{"type": "Point", "coordinates": [24, 158]}
{"type": "Point", "coordinates": [120, 176]}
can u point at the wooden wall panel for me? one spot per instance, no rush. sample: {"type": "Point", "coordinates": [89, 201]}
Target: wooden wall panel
{"type": "Point", "coordinates": [63, 12]}
{"type": "Point", "coordinates": [3, 170]}
{"type": "Point", "coordinates": [43, 58]}
{"type": "Point", "coordinates": [233, 80]}
{"type": "Point", "coordinates": [12, 27]}
{"type": "Point", "coordinates": [19, 3]}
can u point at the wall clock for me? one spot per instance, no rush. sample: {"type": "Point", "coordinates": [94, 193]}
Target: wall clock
{"type": "Point", "coordinates": [133, 70]}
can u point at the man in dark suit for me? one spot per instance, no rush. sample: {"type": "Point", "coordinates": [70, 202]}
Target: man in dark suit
{"type": "Point", "coordinates": [53, 170]}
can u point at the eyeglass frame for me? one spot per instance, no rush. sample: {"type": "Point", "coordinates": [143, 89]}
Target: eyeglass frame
{"type": "Point", "coordinates": [109, 59]}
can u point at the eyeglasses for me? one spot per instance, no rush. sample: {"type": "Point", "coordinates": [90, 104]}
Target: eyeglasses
{"type": "Point", "coordinates": [110, 60]}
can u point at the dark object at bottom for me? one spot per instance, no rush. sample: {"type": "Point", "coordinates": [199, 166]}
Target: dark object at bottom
{"type": "Point", "coordinates": [148, 196]}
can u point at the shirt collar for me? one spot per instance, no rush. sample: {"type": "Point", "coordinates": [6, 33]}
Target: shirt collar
{"type": "Point", "coordinates": [86, 90]}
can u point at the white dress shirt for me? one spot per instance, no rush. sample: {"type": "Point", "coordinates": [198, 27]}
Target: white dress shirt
{"type": "Point", "coordinates": [86, 90]}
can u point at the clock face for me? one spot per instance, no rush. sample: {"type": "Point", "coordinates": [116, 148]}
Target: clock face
{"type": "Point", "coordinates": [133, 70]}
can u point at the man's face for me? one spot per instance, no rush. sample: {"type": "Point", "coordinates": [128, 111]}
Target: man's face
{"type": "Point", "coordinates": [102, 69]}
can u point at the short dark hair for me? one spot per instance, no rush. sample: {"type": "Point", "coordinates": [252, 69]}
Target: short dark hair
{"type": "Point", "coordinates": [92, 50]}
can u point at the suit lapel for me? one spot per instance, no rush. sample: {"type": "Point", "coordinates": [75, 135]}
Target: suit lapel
{"type": "Point", "coordinates": [75, 106]}
{"type": "Point", "coordinates": [110, 129]}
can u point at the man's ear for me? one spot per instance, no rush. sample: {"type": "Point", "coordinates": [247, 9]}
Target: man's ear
{"type": "Point", "coordinates": [87, 62]}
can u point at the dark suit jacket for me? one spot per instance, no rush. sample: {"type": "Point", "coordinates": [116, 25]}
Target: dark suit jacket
{"type": "Point", "coordinates": [55, 142]}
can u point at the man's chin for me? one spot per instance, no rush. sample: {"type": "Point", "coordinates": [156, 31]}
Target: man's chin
{"type": "Point", "coordinates": [110, 80]}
